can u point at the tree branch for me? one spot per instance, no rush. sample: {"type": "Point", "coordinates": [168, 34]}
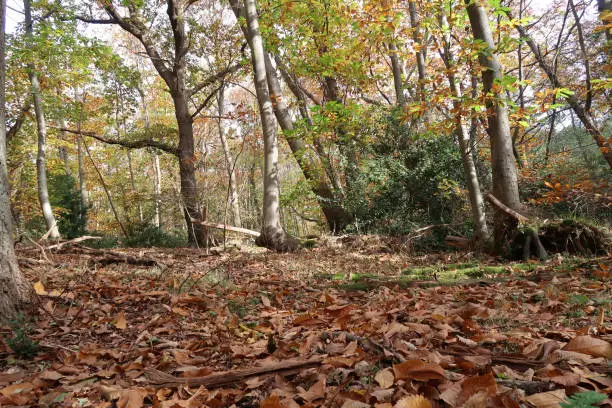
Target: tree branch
{"type": "Point", "coordinates": [130, 144]}
{"type": "Point", "coordinates": [206, 101]}
{"type": "Point", "coordinates": [12, 131]}
{"type": "Point", "coordinates": [215, 77]}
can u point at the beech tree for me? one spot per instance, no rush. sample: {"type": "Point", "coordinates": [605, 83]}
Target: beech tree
{"type": "Point", "coordinates": [14, 289]}
{"type": "Point", "coordinates": [139, 20]}
{"type": "Point", "coordinates": [505, 183]}
{"type": "Point", "coordinates": [41, 126]}
{"type": "Point", "coordinates": [272, 234]}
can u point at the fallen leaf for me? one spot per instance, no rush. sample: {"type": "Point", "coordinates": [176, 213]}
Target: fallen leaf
{"type": "Point", "coordinates": [385, 378]}
{"type": "Point", "coordinates": [413, 401]}
{"type": "Point", "coordinates": [473, 385]}
{"type": "Point", "coordinates": [418, 370]}
{"type": "Point", "coordinates": [315, 392]}
{"type": "Point", "coordinates": [120, 322]}
{"type": "Point", "coordinates": [550, 399]}
{"type": "Point", "coordinates": [349, 403]}
{"type": "Point", "coordinates": [16, 389]}
{"type": "Point", "coordinates": [39, 288]}
{"type": "Point", "coordinates": [590, 345]}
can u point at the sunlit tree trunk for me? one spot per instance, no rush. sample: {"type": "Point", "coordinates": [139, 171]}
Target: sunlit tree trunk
{"type": "Point", "coordinates": [505, 183]}
{"type": "Point", "coordinates": [41, 161]}
{"type": "Point", "coordinates": [229, 163]}
{"type": "Point", "coordinates": [481, 233]}
{"type": "Point", "coordinates": [398, 84]}
{"type": "Point", "coordinates": [15, 291]}
{"type": "Point", "coordinates": [272, 235]}
{"type": "Point", "coordinates": [419, 53]}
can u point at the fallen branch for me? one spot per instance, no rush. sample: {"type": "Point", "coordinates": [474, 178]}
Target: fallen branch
{"type": "Point", "coordinates": [161, 379]}
{"type": "Point", "coordinates": [227, 228]}
{"type": "Point", "coordinates": [109, 257]}
{"type": "Point", "coordinates": [73, 241]}
{"type": "Point", "coordinates": [530, 387]}
{"type": "Point", "coordinates": [505, 209]}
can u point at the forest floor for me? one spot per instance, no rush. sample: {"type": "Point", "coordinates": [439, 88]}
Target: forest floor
{"type": "Point", "coordinates": [327, 327]}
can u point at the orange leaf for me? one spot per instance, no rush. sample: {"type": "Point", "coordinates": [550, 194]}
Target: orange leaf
{"type": "Point", "coordinates": [413, 401]}
{"type": "Point", "coordinates": [418, 370]}
{"type": "Point", "coordinates": [120, 321]}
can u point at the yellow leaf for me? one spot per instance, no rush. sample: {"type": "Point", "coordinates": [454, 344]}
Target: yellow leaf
{"type": "Point", "coordinates": [120, 321]}
{"type": "Point", "coordinates": [40, 288]}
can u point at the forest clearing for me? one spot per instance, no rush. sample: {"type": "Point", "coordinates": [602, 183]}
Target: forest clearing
{"type": "Point", "coordinates": [311, 203]}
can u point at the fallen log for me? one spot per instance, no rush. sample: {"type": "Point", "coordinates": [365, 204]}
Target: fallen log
{"type": "Point", "coordinates": [228, 228]}
{"type": "Point", "coordinates": [160, 379]}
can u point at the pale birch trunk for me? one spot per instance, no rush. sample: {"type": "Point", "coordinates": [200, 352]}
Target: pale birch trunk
{"type": "Point", "coordinates": [41, 164]}
{"type": "Point", "coordinates": [233, 199]}
{"type": "Point", "coordinates": [15, 291]}
{"type": "Point", "coordinates": [272, 235]}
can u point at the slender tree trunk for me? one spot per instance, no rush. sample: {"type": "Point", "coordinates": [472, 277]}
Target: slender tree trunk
{"type": "Point", "coordinates": [398, 82]}
{"type": "Point", "coordinates": [272, 235]}
{"type": "Point", "coordinates": [62, 151]}
{"type": "Point", "coordinates": [336, 216]}
{"type": "Point", "coordinates": [505, 183]}
{"type": "Point", "coordinates": [41, 165]}
{"type": "Point", "coordinates": [229, 163]}
{"type": "Point", "coordinates": [196, 232]}
{"type": "Point", "coordinates": [156, 166]}
{"type": "Point", "coordinates": [15, 292]}
{"type": "Point", "coordinates": [481, 232]}
{"type": "Point", "coordinates": [419, 53]}
{"type": "Point", "coordinates": [133, 183]}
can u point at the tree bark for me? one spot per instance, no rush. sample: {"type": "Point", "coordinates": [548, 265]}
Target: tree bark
{"type": "Point", "coordinates": [505, 183]}
{"type": "Point", "coordinates": [229, 163]}
{"type": "Point", "coordinates": [398, 82]}
{"type": "Point", "coordinates": [272, 235]}
{"type": "Point", "coordinates": [41, 164]}
{"type": "Point", "coordinates": [481, 232]}
{"type": "Point", "coordinates": [15, 291]}
{"type": "Point", "coordinates": [419, 54]}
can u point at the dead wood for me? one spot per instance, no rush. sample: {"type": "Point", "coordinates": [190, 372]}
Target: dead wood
{"type": "Point", "coordinates": [73, 241]}
{"type": "Point", "coordinates": [458, 242]}
{"type": "Point", "coordinates": [227, 228]}
{"type": "Point", "coordinates": [530, 387]}
{"type": "Point", "coordinates": [505, 209]}
{"type": "Point", "coordinates": [109, 256]}
{"type": "Point", "coordinates": [161, 379]}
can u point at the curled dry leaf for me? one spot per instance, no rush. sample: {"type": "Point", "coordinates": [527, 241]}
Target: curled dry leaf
{"type": "Point", "coordinates": [590, 345]}
{"type": "Point", "coordinates": [418, 370]}
{"type": "Point", "coordinates": [385, 378]}
{"type": "Point", "coordinates": [349, 403]}
{"type": "Point", "coordinates": [317, 391]}
{"type": "Point", "coordinates": [413, 401]}
{"type": "Point", "coordinates": [120, 321]}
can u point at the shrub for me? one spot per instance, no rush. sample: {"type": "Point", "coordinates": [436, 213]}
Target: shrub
{"type": "Point", "coordinates": [21, 342]}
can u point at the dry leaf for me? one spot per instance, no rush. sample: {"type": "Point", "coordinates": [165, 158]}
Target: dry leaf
{"type": "Point", "coordinates": [315, 392]}
{"type": "Point", "coordinates": [39, 288]}
{"type": "Point", "coordinates": [590, 345]}
{"type": "Point", "coordinates": [16, 389]}
{"type": "Point", "coordinates": [385, 378]}
{"type": "Point", "coordinates": [349, 403]}
{"type": "Point", "coordinates": [418, 370]}
{"type": "Point", "coordinates": [549, 399]}
{"type": "Point", "coordinates": [413, 401]}
{"type": "Point", "coordinates": [271, 402]}
{"type": "Point", "coordinates": [120, 321]}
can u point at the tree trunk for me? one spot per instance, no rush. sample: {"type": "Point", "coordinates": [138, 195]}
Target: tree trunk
{"type": "Point", "coordinates": [336, 216]}
{"type": "Point", "coordinates": [398, 82]}
{"type": "Point", "coordinates": [15, 291]}
{"type": "Point", "coordinates": [196, 232]}
{"type": "Point", "coordinates": [505, 183]}
{"type": "Point", "coordinates": [272, 235]}
{"type": "Point", "coordinates": [156, 167]}
{"type": "Point", "coordinates": [133, 184]}
{"type": "Point", "coordinates": [229, 163]}
{"type": "Point", "coordinates": [62, 151]}
{"type": "Point", "coordinates": [481, 232]}
{"type": "Point", "coordinates": [419, 54]}
{"type": "Point", "coordinates": [41, 165]}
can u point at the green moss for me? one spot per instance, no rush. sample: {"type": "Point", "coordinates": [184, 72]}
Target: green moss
{"type": "Point", "coordinates": [420, 272]}
{"type": "Point", "coordinates": [358, 287]}
{"type": "Point", "coordinates": [495, 270]}
{"type": "Point", "coordinates": [458, 266]}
